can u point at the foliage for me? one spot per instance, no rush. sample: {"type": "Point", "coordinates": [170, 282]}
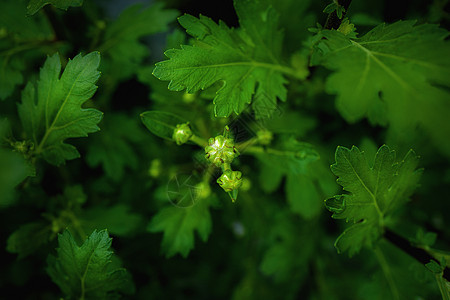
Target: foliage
{"type": "Point", "coordinates": [145, 158]}
{"type": "Point", "coordinates": [375, 192]}
{"type": "Point", "coordinates": [85, 272]}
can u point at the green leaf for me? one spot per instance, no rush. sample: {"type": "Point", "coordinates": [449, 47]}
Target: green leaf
{"type": "Point", "coordinates": [373, 193]}
{"type": "Point", "coordinates": [87, 272]}
{"type": "Point", "coordinates": [114, 147]}
{"type": "Point", "coordinates": [290, 248]}
{"type": "Point", "coordinates": [10, 76]}
{"type": "Point", "coordinates": [51, 112]}
{"type": "Point", "coordinates": [302, 195]}
{"type": "Point", "coordinates": [161, 123]}
{"type": "Point", "coordinates": [288, 155]}
{"type": "Point", "coordinates": [269, 177]}
{"type": "Point", "coordinates": [117, 219]}
{"type": "Point", "coordinates": [16, 33]}
{"type": "Point", "coordinates": [28, 239]}
{"type": "Point", "coordinates": [245, 60]}
{"type": "Point", "coordinates": [178, 225]}
{"type": "Point", "coordinates": [391, 70]}
{"type": "Point", "coordinates": [330, 8]}
{"type": "Point", "coordinates": [35, 5]}
{"type": "Point", "coordinates": [13, 169]}
{"type": "Point", "coordinates": [122, 38]}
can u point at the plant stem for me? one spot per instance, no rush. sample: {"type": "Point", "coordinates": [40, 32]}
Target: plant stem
{"type": "Point", "coordinates": [333, 21]}
{"type": "Point", "coordinates": [387, 272]}
{"type": "Point", "coordinates": [199, 141]}
{"type": "Point", "coordinates": [418, 254]}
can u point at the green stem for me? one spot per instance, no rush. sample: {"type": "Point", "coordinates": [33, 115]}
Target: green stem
{"type": "Point", "coordinates": [244, 145]}
{"type": "Point", "coordinates": [445, 293]}
{"type": "Point", "coordinates": [199, 141]}
{"type": "Point", "coordinates": [387, 272]}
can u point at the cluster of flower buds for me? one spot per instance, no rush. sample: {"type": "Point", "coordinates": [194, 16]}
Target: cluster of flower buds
{"type": "Point", "coordinates": [221, 150]}
{"type": "Point", "coordinates": [230, 180]}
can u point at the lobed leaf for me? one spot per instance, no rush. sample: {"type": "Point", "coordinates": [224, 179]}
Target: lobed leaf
{"type": "Point", "coordinates": [122, 38]}
{"type": "Point", "coordinates": [396, 74]}
{"type": "Point", "coordinates": [245, 60]}
{"type": "Point", "coordinates": [179, 224]}
{"type": "Point", "coordinates": [373, 193]}
{"type": "Point", "coordinates": [86, 271]}
{"type": "Point", "coordinates": [51, 112]}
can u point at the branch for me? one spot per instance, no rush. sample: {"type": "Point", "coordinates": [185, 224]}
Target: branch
{"type": "Point", "coordinates": [333, 22]}
{"type": "Point", "coordinates": [418, 254]}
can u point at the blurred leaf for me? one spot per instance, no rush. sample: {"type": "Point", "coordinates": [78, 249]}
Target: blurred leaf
{"type": "Point", "coordinates": [269, 178]}
{"type": "Point", "coordinates": [391, 70]}
{"type": "Point", "coordinates": [290, 249]}
{"type": "Point", "coordinates": [28, 239]}
{"type": "Point", "coordinates": [122, 38]}
{"type": "Point", "coordinates": [178, 225]}
{"type": "Point", "coordinates": [114, 147]}
{"type": "Point", "coordinates": [35, 5]}
{"type": "Point", "coordinates": [302, 196]}
{"type": "Point", "coordinates": [18, 34]}
{"type": "Point", "coordinates": [161, 123]}
{"type": "Point", "coordinates": [289, 155]}
{"type": "Point", "coordinates": [13, 170]}
{"type": "Point", "coordinates": [117, 219]}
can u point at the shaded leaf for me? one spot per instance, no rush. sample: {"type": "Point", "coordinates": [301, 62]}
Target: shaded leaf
{"type": "Point", "coordinates": [179, 224]}
{"type": "Point", "coordinates": [86, 271]}
{"type": "Point", "coordinates": [374, 193]}
{"type": "Point", "coordinates": [35, 5]}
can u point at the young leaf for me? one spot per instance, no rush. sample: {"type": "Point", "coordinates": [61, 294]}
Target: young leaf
{"type": "Point", "coordinates": [391, 70]}
{"type": "Point", "coordinates": [87, 272]}
{"type": "Point", "coordinates": [161, 123]}
{"type": "Point", "coordinates": [374, 193]}
{"type": "Point", "coordinates": [246, 60]}
{"type": "Point", "coordinates": [178, 225]}
{"type": "Point", "coordinates": [51, 112]}
{"type": "Point", "coordinates": [35, 5]}
{"type": "Point", "coordinates": [121, 42]}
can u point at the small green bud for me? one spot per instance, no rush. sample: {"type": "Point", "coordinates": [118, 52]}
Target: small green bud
{"type": "Point", "coordinates": [182, 133]}
{"type": "Point", "coordinates": [155, 168]}
{"type": "Point", "coordinates": [264, 137]}
{"type": "Point", "coordinates": [230, 180]}
{"type": "Point", "coordinates": [347, 28]}
{"type": "Point", "coordinates": [221, 150]}
{"type": "Point", "coordinates": [188, 98]}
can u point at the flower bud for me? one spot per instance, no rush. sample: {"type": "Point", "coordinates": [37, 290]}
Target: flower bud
{"type": "Point", "coordinates": [264, 137]}
{"type": "Point", "coordinates": [182, 133]}
{"type": "Point", "coordinates": [230, 180]}
{"type": "Point", "coordinates": [221, 150]}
